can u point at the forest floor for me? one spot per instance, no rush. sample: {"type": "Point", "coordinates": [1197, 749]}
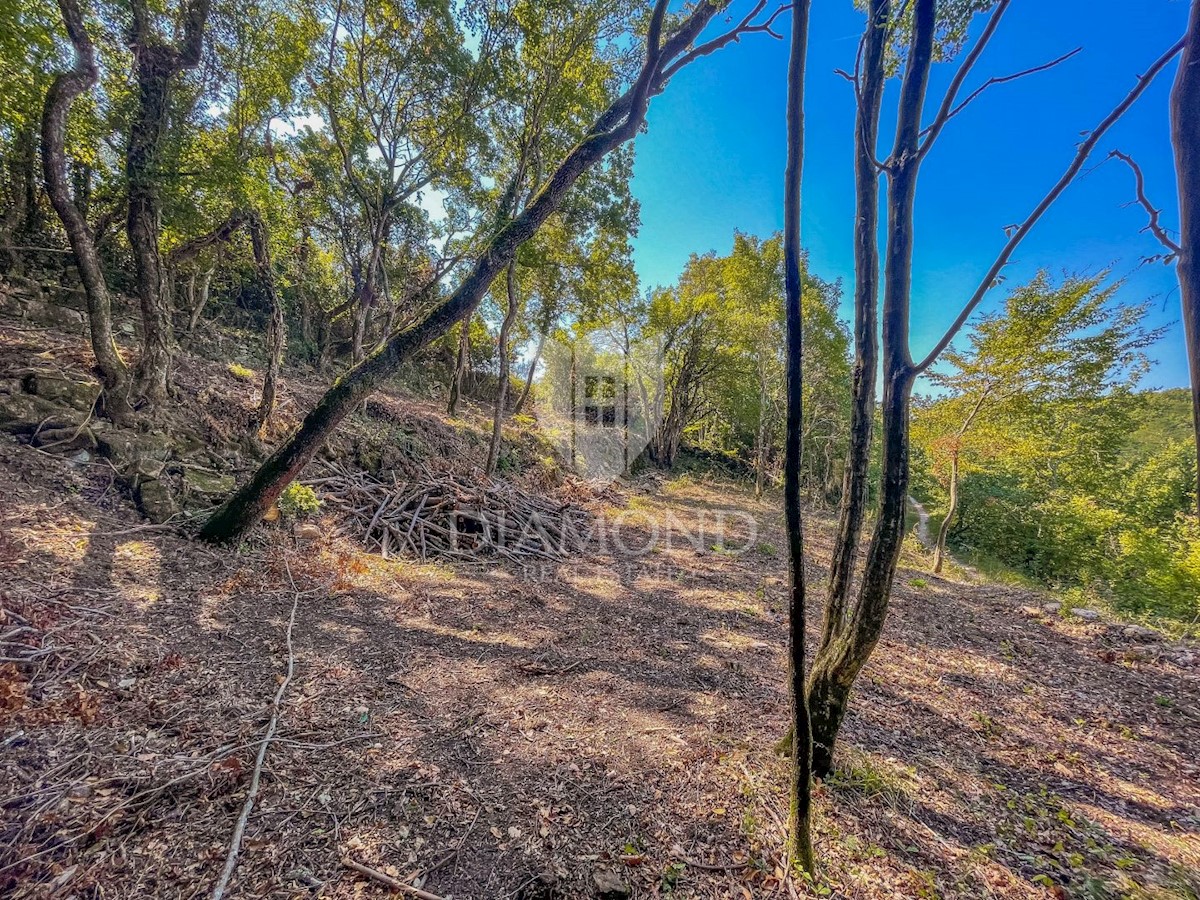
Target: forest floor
{"type": "Point", "coordinates": [601, 726]}
{"type": "Point", "coordinates": [506, 733]}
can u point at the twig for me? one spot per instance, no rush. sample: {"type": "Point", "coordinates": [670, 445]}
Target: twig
{"type": "Point", "coordinates": [236, 842]}
{"type": "Point", "coordinates": [387, 880]}
{"type": "Point", "coordinates": [1154, 224]}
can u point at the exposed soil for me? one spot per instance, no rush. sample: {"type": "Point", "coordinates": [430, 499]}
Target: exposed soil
{"type": "Point", "coordinates": [544, 732]}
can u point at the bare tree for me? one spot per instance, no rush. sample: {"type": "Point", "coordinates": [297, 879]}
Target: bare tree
{"type": "Point", "coordinates": [800, 847]}
{"type": "Point", "coordinates": [850, 633]}
{"type": "Point", "coordinates": [114, 375]}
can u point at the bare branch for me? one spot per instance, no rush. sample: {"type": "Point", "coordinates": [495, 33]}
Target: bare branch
{"type": "Point", "coordinates": [734, 35]}
{"type": "Point", "coordinates": [1004, 79]}
{"type": "Point", "coordinates": [1154, 224]}
{"type": "Point", "coordinates": [1081, 156]}
{"type": "Point", "coordinates": [947, 109]}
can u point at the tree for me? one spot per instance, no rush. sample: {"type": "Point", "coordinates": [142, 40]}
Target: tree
{"type": "Point", "coordinates": [800, 821]}
{"type": "Point", "coordinates": [156, 64]}
{"type": "Point", "coordinates": [851, 631]}
{"type": "Point", "coordinates": [668, 48]}
{"type": "Point", "coordinates": [1185, 135]}
{"type": "Point", "coordinates": [1050, 345]}
{"type": "Point", "coordinates": [1185, 139]}
{"type": "Point", "coordinates": [66, 87]}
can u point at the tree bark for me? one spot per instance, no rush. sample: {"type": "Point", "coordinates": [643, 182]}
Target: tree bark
{"type": "Point", "coordinates": [800, 848]}
{"type": "Point", "coordinates": [510, 318]}
{"type": "Point", "coordinates": [619, 124]}
{"type": "Point", "coordinates": [939, 550]}
{"type": "Point", "coordinates": [276, 329]}
{"type": "Point", "coordinates": [458, 384]}
{"type": "Point", "coordinates": [838, 663]}
{"type": "Point", "coordinates": [853, 502]}
{"type": "Point", "coordinates": [114, 376]}
{"type": "Point", "coordinates": [155, 65]}
{"type": "Point", "coordinates": [533, 364]}
{"type": "Point", "coordinates": [1185, 136]}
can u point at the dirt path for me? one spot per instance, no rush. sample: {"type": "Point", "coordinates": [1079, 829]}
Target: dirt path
{"type": "Point", "coordinates": [922, 522]}
{"type": "Point", "coordinates": [521, 734]}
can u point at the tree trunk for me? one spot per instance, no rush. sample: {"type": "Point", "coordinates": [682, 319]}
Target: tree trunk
{"type": "Point", "coordinates": [533, 364]}
{"type": "Point", "coordinates": [114, 376]}
{"type": "Point", "coordinates": [200, 299]}
{"type": "Point", "coordinates": [839, 662]}
{"type": "Point", "coordinates": [510, 317]}
{"type": "Point", "coordinates": [275, 330]}
{"type": "Point", "coordinates": [458, 383]}
{"type": "Point", "coordinates": [155, 65]}
{"type": "Point", "coordinates": [853, 502]}
{"type": "Point", "coordinates": [939, 550]}
{"type": "Point", "coordinates": [1185, 136]}
{"type": "Point", "coordinates": [141, 169]}
{"type": "Point", "coordinates": [760, 441]}
{"type": "Point", "coordinates": [800, 848]}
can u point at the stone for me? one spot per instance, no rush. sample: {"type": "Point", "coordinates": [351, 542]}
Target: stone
{"type": "Point", "coordinates": [1087, 615]}
{"type": "Point", "coordinates": [1053, 608]}
{"type": "Point", "coordinates": [1034, 612]}
{"type": "Point", "coordinates": [156, 500]}
{"type": "Point", "coordinates": [1186, 660]}
{"type": "Point", "coordinates": [208, 485]}
{"type": "Point", "coordinates": [1139, 633]}
{"type": "Point", "coordinates": [80, 395]}
{"type": "Point", "coordinates": [22, 413]}
{"type": "Point", "coordinates": [307, 531]}
{"type": "Point", "coordinates": [610, 885]}
{"type": "Point", "coordinates": [81, 458]}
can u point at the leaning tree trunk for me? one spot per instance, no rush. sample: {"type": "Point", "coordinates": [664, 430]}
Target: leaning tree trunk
{"type": "Point", "coordinates": [1185, 136]}
{"type": "Point", "coordinates": [114, 376]}
{"type": "Point", "coordinates": [800, 847]}
{"type": "Point", "coordinates": [939, 550]}
{"type": "Point", "coordinates": [533, 364]}
{"type": "Point", "coordinates": [510, 317]}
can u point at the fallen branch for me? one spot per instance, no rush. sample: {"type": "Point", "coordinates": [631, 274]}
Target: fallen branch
{"type": "Point", "coordinates": [387, 880]}
{"type": "Point", "coordinates": [236, 842]}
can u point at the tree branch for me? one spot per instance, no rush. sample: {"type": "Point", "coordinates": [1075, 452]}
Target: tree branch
{"type": "Point", "coordinates": [1154, 224]}
{"type": "Point", "coordinates": [1081, 156]}
{"type": "Point", "coordinates": [1002, 79]}
{"type": "Point", "coordinates": [947, 109]}
{"type": "Point", "coordinates": [734, 35]}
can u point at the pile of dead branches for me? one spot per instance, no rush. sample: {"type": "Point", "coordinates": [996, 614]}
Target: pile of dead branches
{"type": "Point", "coordinates": [446, 516]}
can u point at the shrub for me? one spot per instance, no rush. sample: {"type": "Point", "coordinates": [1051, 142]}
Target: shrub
{"type": "Point", "coordinates": [298, 501]}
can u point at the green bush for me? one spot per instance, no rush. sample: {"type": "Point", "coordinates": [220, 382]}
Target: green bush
{"type": "Point", "coordinates": [298, 501]}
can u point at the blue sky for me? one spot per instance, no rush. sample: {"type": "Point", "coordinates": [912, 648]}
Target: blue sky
{"type": "Point", "coordinates": [713, 158]}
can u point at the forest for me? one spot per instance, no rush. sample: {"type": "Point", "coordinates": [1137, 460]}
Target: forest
{"type": "Point", "coordinates": [406, 491]}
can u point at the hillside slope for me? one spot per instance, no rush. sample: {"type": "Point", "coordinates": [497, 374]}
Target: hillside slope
{"type": "Point", "coordinates": [596, 726]}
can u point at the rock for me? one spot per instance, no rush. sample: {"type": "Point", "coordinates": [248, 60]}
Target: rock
{"type": "Point", "coordinates": [22, 413]}
{"type": "Point", "coordinates": [1087, 615]}
{"type": "Point", "coordinates": [610, 885]}
{"type": "Point", "coordinates": [67, 438]}
{"type": "Point", "coordinates": [1034, 612]}
{"type": "Point", "coordinates": [126, 328]}
{"type": "Point", "coordinates": [1053, 608]}
{"type": "Point", "coordinates": [207, 485]}
{"type": "Point", "coordinates": [81, 458]}
{"type": "Point", "coordinates": [1186, 660]}
{"type": "Point", "coordinates": [80, 395]}
{"type": "Point", "coordinates": [1139, 633]}
{"type": "Point", "coordinates": [156, 500]}
{"type": "Point", "coordinates": [307, 531]}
